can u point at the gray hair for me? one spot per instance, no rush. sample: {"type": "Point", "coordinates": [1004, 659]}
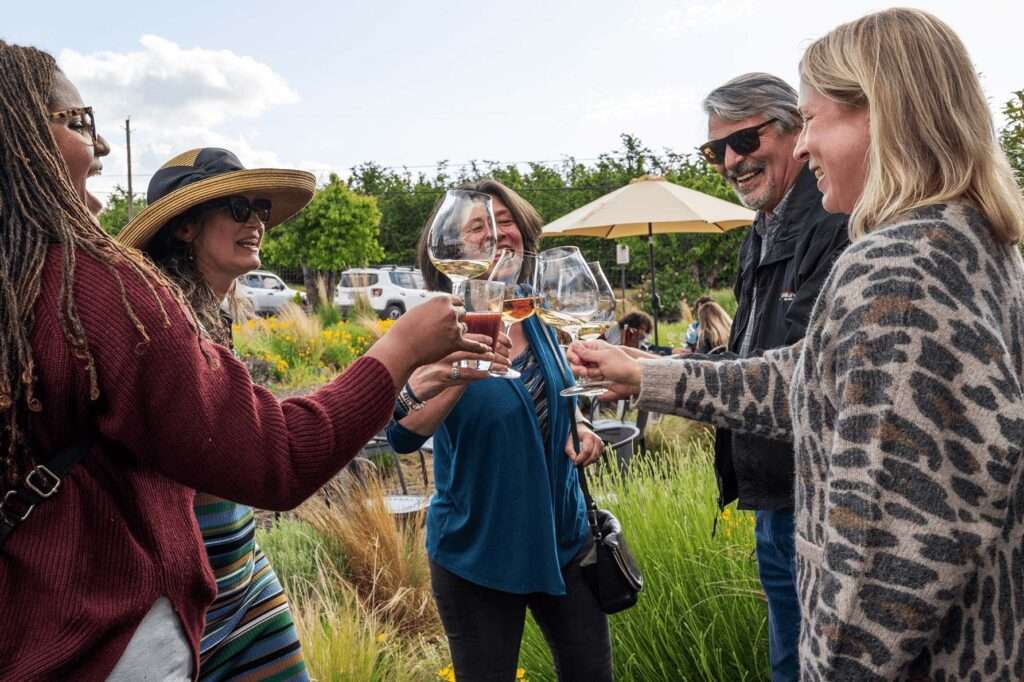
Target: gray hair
{"type": "Point", "coordinates": [755, 94]}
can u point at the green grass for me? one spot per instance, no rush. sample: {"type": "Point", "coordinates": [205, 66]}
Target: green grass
{"type": "Point", "coordinates": [702, 614]}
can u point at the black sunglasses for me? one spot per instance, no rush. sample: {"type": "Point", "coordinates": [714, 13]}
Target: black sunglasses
{"type": "Point", "coordinates": [743, 142]}
{"type": "Point", "coordinates": [241, 208]}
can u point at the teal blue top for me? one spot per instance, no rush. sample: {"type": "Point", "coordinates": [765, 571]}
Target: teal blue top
{"type": "Point", "coordinates": [508, 513]}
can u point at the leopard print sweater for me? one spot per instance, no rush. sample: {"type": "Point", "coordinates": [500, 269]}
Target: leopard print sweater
{"type": "Point", "coordinates": [906, 408]}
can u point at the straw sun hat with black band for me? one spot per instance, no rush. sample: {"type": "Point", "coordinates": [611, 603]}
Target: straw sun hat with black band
{"type": "Point", "coordinates": [200, 175]}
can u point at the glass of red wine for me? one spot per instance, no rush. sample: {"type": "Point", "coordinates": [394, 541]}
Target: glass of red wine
{"type": "Point", "coordinates": [483, 300]}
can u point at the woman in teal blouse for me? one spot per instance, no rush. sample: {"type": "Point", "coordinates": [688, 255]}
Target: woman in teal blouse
{"type": "Point", "coordinates": [507, 526]}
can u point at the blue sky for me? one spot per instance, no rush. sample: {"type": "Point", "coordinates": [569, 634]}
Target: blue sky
{"type": "Point", "coordinates": [326, 85]}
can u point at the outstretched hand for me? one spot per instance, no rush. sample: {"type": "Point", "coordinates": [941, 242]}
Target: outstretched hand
{"type": "Point", "coordinates": [429, 380]}
{"type": "Point", "coordinates": [602, 361]}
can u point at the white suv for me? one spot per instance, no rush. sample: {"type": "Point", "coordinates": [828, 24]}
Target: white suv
{"type": "Point", "coordinates": [267, 292]}
{"type": "Point", "coordinates": [391, 290]}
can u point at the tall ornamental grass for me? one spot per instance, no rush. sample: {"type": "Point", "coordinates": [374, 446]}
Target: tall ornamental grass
{"type": "Point", "coordinates": [702, 613]}
{"type": "Point", "coordinates": [363, 610]}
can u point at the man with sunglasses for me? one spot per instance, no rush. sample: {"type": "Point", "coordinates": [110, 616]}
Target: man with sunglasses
{"type": "Point", "coordinates": [754, 123]}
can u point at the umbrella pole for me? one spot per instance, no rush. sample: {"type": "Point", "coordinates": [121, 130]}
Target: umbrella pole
{"type": "Point", "coordinates": [655, 306]}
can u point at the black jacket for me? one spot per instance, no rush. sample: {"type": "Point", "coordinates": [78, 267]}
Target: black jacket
{"type": "Point", "coordinates": [757, 470]}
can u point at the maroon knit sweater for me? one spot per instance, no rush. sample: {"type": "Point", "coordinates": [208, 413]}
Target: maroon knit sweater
{"type": "Point", "coordinates": [78, 576]}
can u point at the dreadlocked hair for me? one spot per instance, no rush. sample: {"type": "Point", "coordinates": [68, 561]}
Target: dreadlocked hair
{"type": "Point", "coordinates": [175, 258]}
{"type": "Point", "coordinates": [38, 207]}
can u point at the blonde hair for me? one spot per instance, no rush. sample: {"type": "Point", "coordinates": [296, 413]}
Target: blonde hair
{"type": "Point", "coordinates": [932, 136]}
{"type": "Point", "coordinates": [715, 324]}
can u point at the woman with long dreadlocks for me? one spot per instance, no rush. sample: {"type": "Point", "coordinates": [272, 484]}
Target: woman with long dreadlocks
{"type": "Point", "coordinates": [114, 407]}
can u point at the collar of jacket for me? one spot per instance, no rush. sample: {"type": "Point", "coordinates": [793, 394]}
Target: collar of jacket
{"type": "Point", "coordinates": [805, 197]}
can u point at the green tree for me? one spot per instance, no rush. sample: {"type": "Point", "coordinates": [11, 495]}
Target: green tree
{"type": "Point", "coordinates": [337, 230]}
{"type": "Point", "coordinates": [1012, 135]}
{"type": "Point", "coordinates": [114, 215]}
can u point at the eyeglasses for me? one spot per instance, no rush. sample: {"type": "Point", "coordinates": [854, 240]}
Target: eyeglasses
{"type": "Point", "coordinates": [743, 142]}
{"type": "Point", "coordinates": [241, 208]}
{"type": "Point", "coordinates": [85, 123]}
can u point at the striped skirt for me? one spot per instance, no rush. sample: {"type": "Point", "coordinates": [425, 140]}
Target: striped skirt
{"type": "Point", "coordinates": [249, 633]}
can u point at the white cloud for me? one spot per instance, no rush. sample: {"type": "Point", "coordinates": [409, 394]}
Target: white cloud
{"type": "Point", "coordinates": [177, 98]}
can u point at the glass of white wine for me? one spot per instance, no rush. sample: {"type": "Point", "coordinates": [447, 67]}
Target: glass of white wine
{"type": "Point", "coordinates": [462, 235]}
{"type": "Point", "coordinates": [599, 323]}
{"type": "Point", "coordinates": [567, 294]}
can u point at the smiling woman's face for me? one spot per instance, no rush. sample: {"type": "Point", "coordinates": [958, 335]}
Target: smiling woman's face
{"type": "Point", "coordinates": [223, 247]}
{"type": "Point", "coordinates": [74, 139]}
{"type": "Point", "coordinates": [834, 142]}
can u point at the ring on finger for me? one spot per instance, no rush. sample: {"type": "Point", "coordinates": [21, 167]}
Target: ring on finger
{"type": "Point", "coordinates": [456, 371]}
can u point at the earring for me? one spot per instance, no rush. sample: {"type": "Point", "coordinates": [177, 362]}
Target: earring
{"type": "Point", "coordinates": [190, 254]}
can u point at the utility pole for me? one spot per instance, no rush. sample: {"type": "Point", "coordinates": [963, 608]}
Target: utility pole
{"type": "Point", "coordinates": [128, 140]}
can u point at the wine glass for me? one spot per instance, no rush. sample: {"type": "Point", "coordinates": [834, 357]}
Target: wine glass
{"type": "Point", "coordinates": [517, 271]}
{"type": "Point", "coordinates": [462, 235]}
{"type": "Point", "coordinates": [567, 294]}
{"type": "Point", "coordinates": [599, 323]}
{"type": "Point", "coordinates": [483, 300]}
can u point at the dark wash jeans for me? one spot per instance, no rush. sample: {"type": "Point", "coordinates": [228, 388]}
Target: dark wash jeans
{"type": "Point", "coordinates": [485, 628]}
{"type": "Point", "coordinates": [776, 565]}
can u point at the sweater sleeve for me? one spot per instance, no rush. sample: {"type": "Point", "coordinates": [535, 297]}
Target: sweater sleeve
{"type": "Point", "coordinates": [920, 474]}
{"type": "Point", "coordinates": [404, 440]}
{"type": "Point", "coordinates": [748, 396]}
{"type": "Point", "coordinates": [203, 422]}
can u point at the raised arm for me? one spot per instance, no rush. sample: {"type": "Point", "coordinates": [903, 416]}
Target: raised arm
{"type": "Point", "coordinates": [749, 396]}
{"type": "Point", "coordinates": [205, 424]}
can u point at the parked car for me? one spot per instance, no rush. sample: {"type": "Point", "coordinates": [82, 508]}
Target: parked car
{"type": "Point", "coordinates": [266, 291]}
{"type": "Point", "coordinates": [391, 290]}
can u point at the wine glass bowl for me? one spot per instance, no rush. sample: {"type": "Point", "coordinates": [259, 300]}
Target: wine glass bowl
{"type": "Point", "coordinates": [462, 235]}
{"type": "Point", "coordinates": [567, 293]}
{"type": "Point", "coordinates": [483, 300]}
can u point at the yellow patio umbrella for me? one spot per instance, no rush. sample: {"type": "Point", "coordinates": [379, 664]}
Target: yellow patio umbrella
{"type": "Point", "coordinates": [650, 205]}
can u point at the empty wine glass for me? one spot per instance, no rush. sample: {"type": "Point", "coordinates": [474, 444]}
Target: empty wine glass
{"type": "Point", "coordinates": [567, 294]}
{"type": "Point", "coordinates": [462, 235]}
{"type": "Point", "coordinates": [599, 323]}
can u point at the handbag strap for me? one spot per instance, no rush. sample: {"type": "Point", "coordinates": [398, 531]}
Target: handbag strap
{"type": "Point", "coordinates": [595, 527]}
{"type": "Point", "coordinates": [38, 486]}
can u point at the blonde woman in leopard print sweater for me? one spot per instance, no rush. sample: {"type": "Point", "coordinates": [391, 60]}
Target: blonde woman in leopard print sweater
{"type": "Point", "coordinates": [905, 399]}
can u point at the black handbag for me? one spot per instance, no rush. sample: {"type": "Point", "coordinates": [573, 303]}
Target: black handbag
{"type": "Point", "coordinates": [609, 568]}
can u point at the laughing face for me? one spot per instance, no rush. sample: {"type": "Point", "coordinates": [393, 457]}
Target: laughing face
{"type": "Point", "coordinates": [834, 143]}
{"type": "Point", "coordinates": [762, 177]}
{"type": "Point", "coordinates": [73, 135]}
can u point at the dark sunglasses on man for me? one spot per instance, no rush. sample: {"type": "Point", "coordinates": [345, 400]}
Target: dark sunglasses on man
{"type": "Point", "coordinates": [241, 208]}
{"type": "Point", "coordinates": [744, 141]}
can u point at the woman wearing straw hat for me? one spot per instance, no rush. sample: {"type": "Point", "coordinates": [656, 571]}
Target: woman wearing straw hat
{"type": "Point", "coordinates": [203, 227]}
{"type": "Point", "coordinates": [114, 408]}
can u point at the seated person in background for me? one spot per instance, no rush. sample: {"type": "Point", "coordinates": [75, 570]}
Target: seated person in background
{"type": "Point", "coordinates": [693, 330]}
{"type": "Point", "coordinates": [714, 327]}
{"type": "Point", "coordinates": [631, 330]}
